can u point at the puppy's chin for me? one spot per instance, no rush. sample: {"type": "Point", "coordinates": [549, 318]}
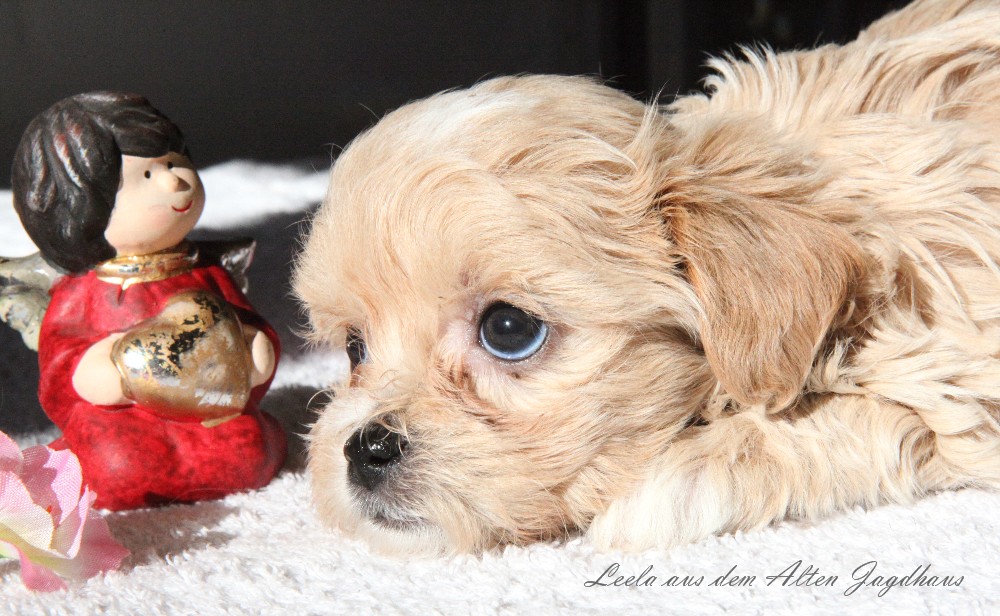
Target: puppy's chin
{"type": "Point", "coordinates": [379, 528]}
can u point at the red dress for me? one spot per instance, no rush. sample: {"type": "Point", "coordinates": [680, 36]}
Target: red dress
{"type": "Point", "coordinates": [131, 456]}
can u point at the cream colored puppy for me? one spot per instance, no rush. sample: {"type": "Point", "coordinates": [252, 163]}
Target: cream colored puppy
{"type": "Point", "coordinates": [571, 312]}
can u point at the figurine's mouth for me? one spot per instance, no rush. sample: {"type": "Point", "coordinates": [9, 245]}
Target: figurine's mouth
{"type": "Point", "coordinates": [181, 210]}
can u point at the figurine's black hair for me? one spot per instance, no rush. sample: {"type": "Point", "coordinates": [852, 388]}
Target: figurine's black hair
{"type": "Point", "coordinates": [67, 170]}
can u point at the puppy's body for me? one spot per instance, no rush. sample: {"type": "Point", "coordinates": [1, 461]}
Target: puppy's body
{"type": "Point", "coordinates": [781, 300]}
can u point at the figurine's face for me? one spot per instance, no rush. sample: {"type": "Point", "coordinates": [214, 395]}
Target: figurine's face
{"type": "Point", "coordinates": [159, 201]}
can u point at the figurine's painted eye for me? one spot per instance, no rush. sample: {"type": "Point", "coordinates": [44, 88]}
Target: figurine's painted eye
{"type": "Point", "coordinates": [357, 351]}
{"type": "Point", "coordinates": [511, 334]}
{"type": "Point", "coordinates": [147, 175]}
{"type": "Point", "coordinates": [170, 165]}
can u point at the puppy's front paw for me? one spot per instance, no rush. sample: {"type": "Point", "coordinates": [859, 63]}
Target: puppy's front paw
{"type": "Point", "coordinates": [669, 508]}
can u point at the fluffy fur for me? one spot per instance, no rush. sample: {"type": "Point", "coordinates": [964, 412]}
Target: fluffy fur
{"type": "Point", "coordinates": [777, 300]}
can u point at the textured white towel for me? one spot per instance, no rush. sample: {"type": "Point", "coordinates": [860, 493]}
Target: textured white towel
{"type": "Point", "coordinates": [265, 552]}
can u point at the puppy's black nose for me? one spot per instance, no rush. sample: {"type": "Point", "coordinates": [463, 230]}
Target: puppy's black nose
{"type": "Point", "coordinates": [370, 452]}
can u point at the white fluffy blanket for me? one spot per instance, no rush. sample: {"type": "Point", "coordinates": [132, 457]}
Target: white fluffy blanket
{"type": "Point", "coordinates": [266, 553]}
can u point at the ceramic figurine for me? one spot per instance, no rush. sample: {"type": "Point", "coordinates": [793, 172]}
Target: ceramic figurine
{"type": "Point", "coordinates": [152, 360]}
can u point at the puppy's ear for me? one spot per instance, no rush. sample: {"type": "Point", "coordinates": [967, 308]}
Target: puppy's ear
{"type": "Point", "coordinates": [772, 273]}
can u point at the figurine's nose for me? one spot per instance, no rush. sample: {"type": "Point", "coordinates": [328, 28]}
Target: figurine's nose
{"type": "Point", "coordinates": [171, 182]}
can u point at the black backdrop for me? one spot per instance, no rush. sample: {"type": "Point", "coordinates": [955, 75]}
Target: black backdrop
{"type": "Point", "coordinates": [282, 80]}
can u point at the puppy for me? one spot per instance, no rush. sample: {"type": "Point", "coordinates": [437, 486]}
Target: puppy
{"type": "Point", "coordinates": [569, 312]}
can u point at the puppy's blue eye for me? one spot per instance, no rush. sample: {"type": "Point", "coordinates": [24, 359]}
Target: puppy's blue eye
{"type": "Point", "coordinates": [511, 334]}
{"type": "Point", "coordinates": [357, 352]}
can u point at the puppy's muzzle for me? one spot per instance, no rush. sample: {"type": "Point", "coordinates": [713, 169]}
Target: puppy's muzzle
{"type": "Point", "coordinates": [371, 452]}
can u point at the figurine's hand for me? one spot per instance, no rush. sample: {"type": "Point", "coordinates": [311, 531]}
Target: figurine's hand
{"type": "Point", "coordinates": [262, 353]}
{"type": "Point", "coordinates": [96, 378]}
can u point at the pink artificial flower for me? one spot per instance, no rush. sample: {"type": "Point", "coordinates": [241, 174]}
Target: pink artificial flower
{"type": "Point", "coordinates": [46, 521]}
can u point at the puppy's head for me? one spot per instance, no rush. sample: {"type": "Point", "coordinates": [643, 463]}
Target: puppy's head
{"type": "Point", "coordinates": [526, 339]}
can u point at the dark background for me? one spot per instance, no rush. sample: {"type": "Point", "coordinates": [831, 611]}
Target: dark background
{"type": "Point", "coordinates": [281, 80]}
{"type": "Point", "coordinates": [292, 81]}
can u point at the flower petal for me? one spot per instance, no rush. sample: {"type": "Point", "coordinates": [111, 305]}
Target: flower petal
{"type": "Point", "coordinates": [8, 551]}
{"type": "Point", "coordinates": [46, 521]}
{"type": "Point", "coordinates": [21, 520]}
{"type": "Point", "coordinates": [69, 535]}
{"type": "Point", "coordinates": [98, 552]}
{"type": "Point", "coordinates": [54, 480]}
{"type": "Point", "coordinates": [10, 455]}
{"type": "Point", "coordinates": [38, 577]}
